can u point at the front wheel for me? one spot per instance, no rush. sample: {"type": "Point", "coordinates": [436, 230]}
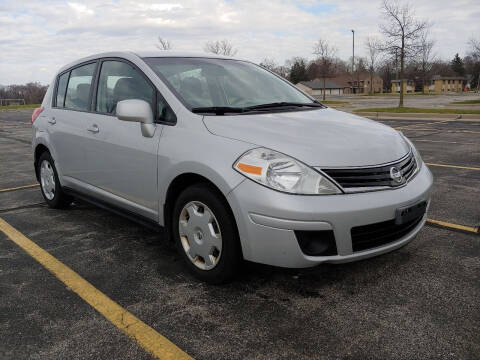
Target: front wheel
{"type": "Point", "coordinates": [206, 234]}
{"type": "Point", "coordinates": [49, 183]}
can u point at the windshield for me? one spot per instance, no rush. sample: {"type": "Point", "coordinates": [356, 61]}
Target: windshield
{"type": "Point", "coordinates": [206, 83]}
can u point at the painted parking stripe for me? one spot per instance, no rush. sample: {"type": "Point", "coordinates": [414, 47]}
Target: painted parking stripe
{"type": "Point", "coordinates": [457, 131]}
{"type": "Point", "coordinates": [153, 342]}
{"type": "Point", "coordinates": [19, 188]}
{"type": "Point", "coordinates": [422, 124]}
{"type": "Point", "coordinates": [453, 226]}
{"type": "Point", "coordinates": [454, 166]}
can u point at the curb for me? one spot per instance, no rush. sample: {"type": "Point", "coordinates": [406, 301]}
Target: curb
{"type": "Point", "coordinates": [416, 116]}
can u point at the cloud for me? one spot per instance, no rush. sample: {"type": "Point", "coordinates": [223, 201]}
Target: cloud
{"type": "Point", "coordinates": [160, 7]}
{"type": "Point", "coordinates": [80, 9]}
{"type": "Point", "coordinates": [43, 36]}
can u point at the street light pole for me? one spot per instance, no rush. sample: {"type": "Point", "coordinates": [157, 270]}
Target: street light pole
{"type": "Point", "coordinates": [353, 57]}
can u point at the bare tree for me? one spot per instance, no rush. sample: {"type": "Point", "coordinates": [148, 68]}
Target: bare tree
{"type": "Point", "coordinates": [386, 70]}
{"type": "Point", "coordinates": [163, 44]}
{"type": "Point", "coordinates": [283, 71]}
{"type": "Point", "coordinates": [475, 46]}
{"type": "Point", "coordinates": [31, 93]}
{"type": "Point", "coordinates": [220, 47]}
{"type": "Point", "coordinates": [475, 55]}
{"type": "Point", "coordinates": [361, 64]}
{"type": "Point", "coordinates": [426, 57]}
{"type": "Point", "coordinates": [269, 64]}
{"type": "Point", "coordinates": [372, 45]}
{"type": "Point", "coordinates": [326, 64]}
{"type": "Point", "coordinates": [402, 32]}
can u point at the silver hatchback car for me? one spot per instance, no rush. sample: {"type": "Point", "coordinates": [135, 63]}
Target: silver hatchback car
{"type": "Point", "coordinates": [231, 160]}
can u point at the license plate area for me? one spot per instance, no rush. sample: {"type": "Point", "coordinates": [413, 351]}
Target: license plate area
{"type": "Point", "coordinates": [408, 213]}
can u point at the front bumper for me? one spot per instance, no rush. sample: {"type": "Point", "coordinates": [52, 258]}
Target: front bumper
{"type": "Point", "coordinates": [267, 219]}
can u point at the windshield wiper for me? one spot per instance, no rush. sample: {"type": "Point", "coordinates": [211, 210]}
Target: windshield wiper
{"type": "Point", "coordinates": [222, 110]}
{"type": "Point", "coordinates": [284, 104]}
{"type": "Point", "coordinates": [218, 110]}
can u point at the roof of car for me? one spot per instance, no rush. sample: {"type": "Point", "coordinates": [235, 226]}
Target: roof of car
{"type": "Point", "coordinates": [170, 53]}
{"type": "Point", "coordinates": [144, 54]}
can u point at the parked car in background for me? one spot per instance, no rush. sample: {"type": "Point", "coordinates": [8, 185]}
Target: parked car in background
{"type": "Point", "coordinates": [233, 161]}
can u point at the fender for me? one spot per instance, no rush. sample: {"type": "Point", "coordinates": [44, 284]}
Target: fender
{"type": "Point", "coordinates": [42, 137]}
{"type": "Point", "coordinates": [189, 167]}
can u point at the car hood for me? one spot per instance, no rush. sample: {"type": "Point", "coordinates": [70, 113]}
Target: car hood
{"type": "Point", "coordinates": [320, 137]}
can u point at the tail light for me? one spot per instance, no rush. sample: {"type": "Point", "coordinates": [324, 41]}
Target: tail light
{"type": "Point", "coordinates": [36, 112]}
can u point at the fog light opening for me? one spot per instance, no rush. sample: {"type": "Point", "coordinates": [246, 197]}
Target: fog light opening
{"type": "Point", "coordinates": [317, 243]}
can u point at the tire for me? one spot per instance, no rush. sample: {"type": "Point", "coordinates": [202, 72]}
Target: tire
{"type": "Point", "coordinates": [50, 185]}
{"type": "Point", "coordinates": [196, 236]}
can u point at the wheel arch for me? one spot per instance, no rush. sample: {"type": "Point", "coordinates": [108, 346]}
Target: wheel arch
{"type": "Point", "coordinates": [39, 150]}
{"type": "Point", "coordinates": [177, 185]}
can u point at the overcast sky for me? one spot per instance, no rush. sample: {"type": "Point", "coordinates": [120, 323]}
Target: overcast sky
{"type": "Point", "coordinates": [39, 36]}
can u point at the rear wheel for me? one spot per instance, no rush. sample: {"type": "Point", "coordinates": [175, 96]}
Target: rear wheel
{"type": "Point", "coordinates": [206, 234]}
{"type": "Point", "coordinates": [49, 183]}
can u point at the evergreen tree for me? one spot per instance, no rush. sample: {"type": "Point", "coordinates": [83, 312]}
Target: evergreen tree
{"type": "Point", "coordinates": [458, 66]}
{"type": "Point", "coordinates": [298, 71]}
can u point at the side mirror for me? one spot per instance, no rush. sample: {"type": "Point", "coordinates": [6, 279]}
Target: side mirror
{"type": "Point", "coordinates": [136, 110]}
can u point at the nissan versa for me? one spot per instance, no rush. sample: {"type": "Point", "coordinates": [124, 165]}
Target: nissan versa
{"type": "Point", "coordinates": [230, 159]}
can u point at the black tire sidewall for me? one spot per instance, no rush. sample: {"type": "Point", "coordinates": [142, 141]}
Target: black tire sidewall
{"type": "Point", "coordinates": [60, 199]}
{"type": "Point", "coordinates": [231, 256]}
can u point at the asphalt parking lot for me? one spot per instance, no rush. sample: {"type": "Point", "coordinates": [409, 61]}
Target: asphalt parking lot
{"type": "Point", "coordinates": [421, 301]}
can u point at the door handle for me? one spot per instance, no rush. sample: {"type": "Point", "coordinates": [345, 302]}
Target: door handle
{"type": "Point", "coordinates": [94, 129]}
{"type": "Point", "coordinates": [52, 121]}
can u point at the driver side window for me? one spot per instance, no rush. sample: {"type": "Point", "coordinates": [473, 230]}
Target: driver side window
{"type": "Point", "coordinates": [121, 81]}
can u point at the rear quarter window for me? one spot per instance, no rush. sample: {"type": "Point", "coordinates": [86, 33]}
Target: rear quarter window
{"type": "Point", "coordinates": [61, 89]}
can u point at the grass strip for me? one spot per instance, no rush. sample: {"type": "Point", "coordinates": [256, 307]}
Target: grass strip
{"type": "Point", "coordinates": [19, 107]}
{"type": "Point", "coordinates": [334, 102]}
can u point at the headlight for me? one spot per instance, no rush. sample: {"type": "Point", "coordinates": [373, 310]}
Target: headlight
{"type": "Point", "coordinates": [418, 158]}
{"type": "Point", "coordinates": [283, 173]}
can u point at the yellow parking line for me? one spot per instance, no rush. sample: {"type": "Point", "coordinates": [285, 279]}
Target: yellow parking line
{"type": "Point", "coordinates": [19, 187]}
{"type": "Point", "coordinates": [454, 226]}
{"type": "Point", "coordinates": [153, 342]}
{"type": "Point", "coordinates": [454, 166]}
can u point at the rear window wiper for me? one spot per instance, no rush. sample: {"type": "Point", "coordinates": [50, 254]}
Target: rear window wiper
{"type": "Point", "coordinates": [218, 110]}
{"type": "Point", "coordinates": [284, 104]}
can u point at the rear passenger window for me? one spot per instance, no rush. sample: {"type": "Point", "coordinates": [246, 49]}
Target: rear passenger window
{"type": "Point", "coordinates": [78, 90]}
{"type": "Point", "coordinates": [121, 81]}
{"type": "Point", "coordinates": [61, 89]}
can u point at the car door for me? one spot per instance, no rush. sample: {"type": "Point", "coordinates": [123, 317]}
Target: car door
{"type": "Point", "coordinates": [68, 121]}
{"type": "Point", "coordinates": [123, 162]}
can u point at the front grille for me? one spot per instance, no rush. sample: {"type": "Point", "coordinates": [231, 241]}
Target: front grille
{"type": "Point", "coordinates": [377, 176]}
{"type": "Point", "coordinates": [378, 234]}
